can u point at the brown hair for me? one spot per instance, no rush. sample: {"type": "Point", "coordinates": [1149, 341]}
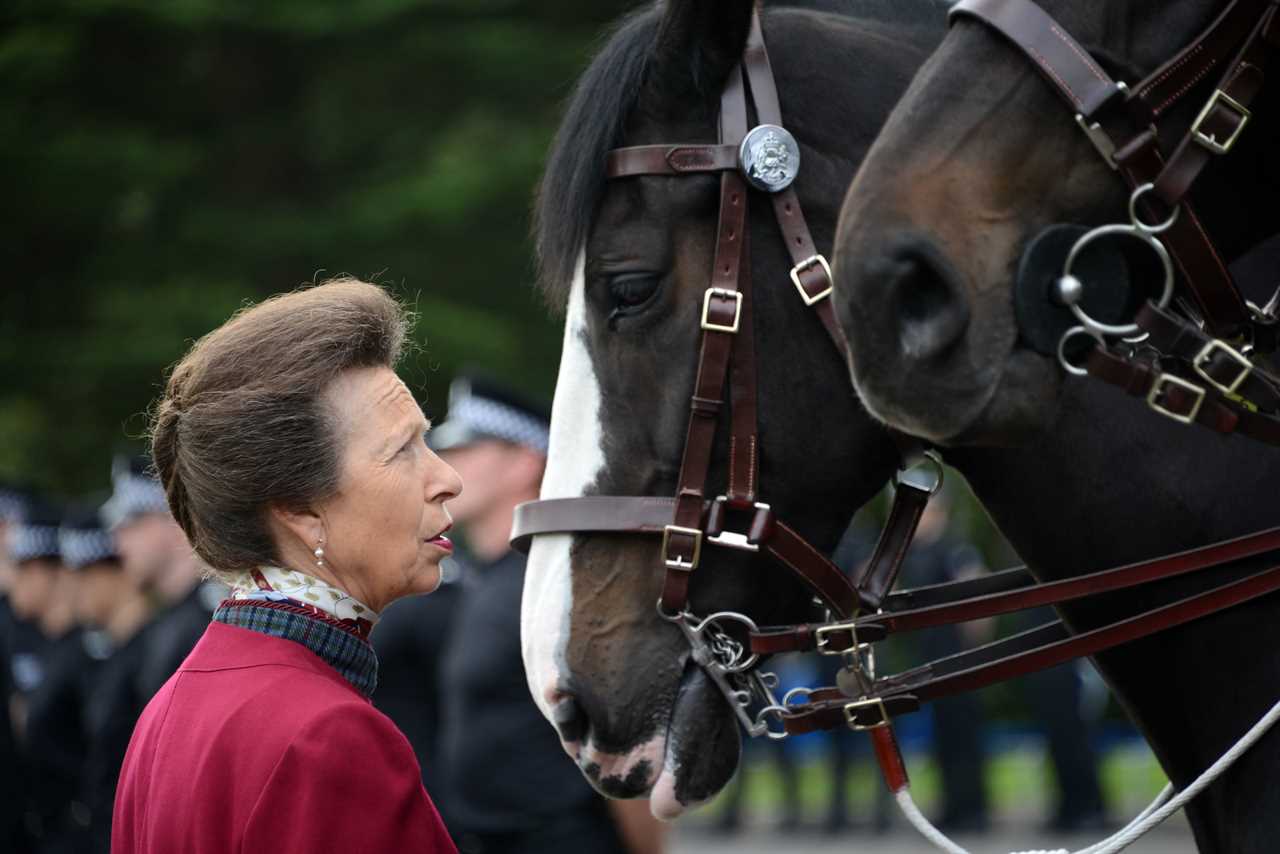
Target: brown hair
{"type": "Point", "coordinates": [243, 425]}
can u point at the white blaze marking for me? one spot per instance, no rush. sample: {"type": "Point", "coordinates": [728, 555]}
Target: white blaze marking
{"type": "Point", "coordinates": [574, 459]}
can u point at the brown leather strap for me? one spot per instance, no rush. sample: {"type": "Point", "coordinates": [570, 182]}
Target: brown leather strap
{"type": "Point", "coordinates": [612, 514]}
{"type": "Point", "coordinates": [904, 692]}
{"type": "Point", "coordinates": [1100, 639]}
{"type": "Point", "coordinates": [1063, 62]}
{"type": "Point", "coordinates": [835, 638]}
{"type": "Point", "coordinates": [954, 591]}
{"type": "Point", "coordinates": [743, 432]}
{"type": "Point", "coordinates": [591, 514]}
{"type": "Point", "coordinates": [1209, 360]}
{"type": "Point", "coordinates": [1165, 86]}
{"type": "Point", "coordinates": [1181, 399]}
{"type": "Point", "coordinates": [670, 159]}
{"type": "Point", "coordinates": [810, 273]}
{"type": "Point", "coordinates": [1215, 130]}
{"type": "Point", "coordinates": [899, 529]}
{"type": "Point", "coordinates": [1069, 589]}
{"type": "Point", "coordinates": [1202, 268]}
{"type": "Point", "coordinates": [811, 565]}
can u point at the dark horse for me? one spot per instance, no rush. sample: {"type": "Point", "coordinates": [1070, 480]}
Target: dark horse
{"type": "Point", "coordinates": [629, 262]}
{"type": "Point", "coordinates": [978, 157]}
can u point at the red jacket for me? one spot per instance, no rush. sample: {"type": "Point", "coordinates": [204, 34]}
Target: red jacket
{"type": "Point", "coordinates": [257, 745]}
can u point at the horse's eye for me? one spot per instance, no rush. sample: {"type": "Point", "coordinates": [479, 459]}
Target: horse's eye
{"type": "Point", "coordinates": [630, 290]}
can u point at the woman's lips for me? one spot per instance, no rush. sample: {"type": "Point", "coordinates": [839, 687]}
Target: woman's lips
{"type": "Point", "coordinates": [440, 541]}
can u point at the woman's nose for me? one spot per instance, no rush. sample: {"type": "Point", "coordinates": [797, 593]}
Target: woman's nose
{"type": "Point", "coordinates": [443, 481]}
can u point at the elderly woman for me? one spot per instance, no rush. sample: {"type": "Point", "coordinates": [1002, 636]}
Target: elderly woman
{"type": "Point", "coordinates": [294, 459]}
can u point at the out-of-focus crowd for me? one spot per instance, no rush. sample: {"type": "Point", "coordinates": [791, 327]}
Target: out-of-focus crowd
{"type": "Point", "coordinates": [99, 603]}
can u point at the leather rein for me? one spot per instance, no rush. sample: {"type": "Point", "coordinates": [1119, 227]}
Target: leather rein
{"type": "Point", "coordinates": [863, 611]}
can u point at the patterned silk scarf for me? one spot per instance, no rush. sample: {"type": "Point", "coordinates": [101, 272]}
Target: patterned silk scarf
{"type": "Point", "coordinates": [273, 584]}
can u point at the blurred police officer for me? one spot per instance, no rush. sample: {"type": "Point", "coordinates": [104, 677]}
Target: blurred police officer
{"type": "Point", "coordinates": [155, 554]}
{"type": "Point", "coordinates": [114, 611]}
{"type": "Point", "coordinates": [53, 738]}
{"type": "Point", "coordinates": [510, 786]}
{"type": "Point", "coordinates": [12, 831]}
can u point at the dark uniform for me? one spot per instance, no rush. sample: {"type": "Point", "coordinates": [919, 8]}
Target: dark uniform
{"type": "Point", "coordinates": [174, 633]}
{"type": "Point", "coordinates": [511, 787]}
{"type": "Point", "coordinates": [56, 743]}
{"type": "Point", "coordinates": [112, 706]}
{"type": "Point", "coordinates": [508, 785]}
{"type": "Point", "coordinates": [111, 700]}
{"type": "Point", "coordinates": [135, 491]}
{"type": "Point", "coordinates": [12, 832]}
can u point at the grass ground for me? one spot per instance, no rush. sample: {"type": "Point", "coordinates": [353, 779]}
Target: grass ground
{"type": "Point", "coordinates": [1019, 780]}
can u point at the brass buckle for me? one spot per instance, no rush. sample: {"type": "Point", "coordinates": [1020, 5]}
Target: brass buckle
{"type": "Point", "coordinates": [1157, 390]}
{"type": "Point", "coordinates": [850, 716]}
{"type": "Point", "coordinates": [1206, 352]}
{"type": "Point", "coordinates": [723, 293]}
{"type": "Point", "coordinates": [821, 639]}
{"type": "Point", "coordinates": [1209, 141]}
{"type": "Point", "coordinates": [679, 562]}
{"type": "Point", "coordinates": [811, 261]}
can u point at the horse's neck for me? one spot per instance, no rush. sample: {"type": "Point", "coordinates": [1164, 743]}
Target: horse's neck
{"type": "Point", "coordinates": [1114, 484]}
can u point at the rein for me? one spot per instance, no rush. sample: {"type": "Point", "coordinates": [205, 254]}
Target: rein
{"type": "Point", "coordinates": [864, 611]}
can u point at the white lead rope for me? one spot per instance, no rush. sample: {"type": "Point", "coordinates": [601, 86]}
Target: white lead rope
{"type": "Point", "coordinates": [1165, 804]}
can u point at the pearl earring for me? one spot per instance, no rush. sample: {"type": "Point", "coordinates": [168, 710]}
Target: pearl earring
{"type": "Point", "coordinates": [320, 554]}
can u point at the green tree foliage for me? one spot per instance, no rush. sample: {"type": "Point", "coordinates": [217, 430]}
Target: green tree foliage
{"type": "Point", "coordinates": [165, 162]}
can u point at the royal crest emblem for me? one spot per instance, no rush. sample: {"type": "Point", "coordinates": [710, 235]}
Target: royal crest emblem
{"type": "Point", "coordinates": [770, 158]}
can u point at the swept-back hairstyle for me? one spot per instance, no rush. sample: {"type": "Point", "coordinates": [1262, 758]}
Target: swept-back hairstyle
{"type": "Point", "coordinates": [243, 424]}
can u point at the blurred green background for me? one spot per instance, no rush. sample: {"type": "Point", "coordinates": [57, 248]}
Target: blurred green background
{"type": "Point", "coordinates": [165, 162]}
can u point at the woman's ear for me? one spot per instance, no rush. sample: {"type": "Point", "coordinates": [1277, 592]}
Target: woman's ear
{"type": "Point", "coordinates": [305, 526]}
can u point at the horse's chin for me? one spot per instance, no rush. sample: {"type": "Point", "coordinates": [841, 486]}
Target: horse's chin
{"type": "Point", "coordinates": [702, 750]}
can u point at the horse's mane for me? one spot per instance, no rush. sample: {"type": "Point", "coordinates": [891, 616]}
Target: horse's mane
{"type": "Point", "coordinates": [595, 119]}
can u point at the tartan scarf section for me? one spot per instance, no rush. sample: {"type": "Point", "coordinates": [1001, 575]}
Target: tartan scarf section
{"type": "Point", "coordinates": [337, 646]}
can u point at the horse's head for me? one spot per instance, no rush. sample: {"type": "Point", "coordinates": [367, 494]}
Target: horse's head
{"type": "Point", "coordinates": [629, 260]}
{"type": "Point", "coordinates": [977, 159]}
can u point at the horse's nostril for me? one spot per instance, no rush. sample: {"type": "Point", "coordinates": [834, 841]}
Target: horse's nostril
{"type": "Point", "coordinates": [570, 720]}
{"type": "Point", "coordinates": [931, 313]}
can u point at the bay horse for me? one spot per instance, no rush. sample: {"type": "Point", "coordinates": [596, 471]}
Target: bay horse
{"type": "Point", "coordinates": [628, 261]}
{"type": "Point", "coordinates": [977, 158]}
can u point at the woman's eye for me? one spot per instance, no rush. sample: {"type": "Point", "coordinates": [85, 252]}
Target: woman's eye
{"type": "Point", "coordinates": [628, 292]}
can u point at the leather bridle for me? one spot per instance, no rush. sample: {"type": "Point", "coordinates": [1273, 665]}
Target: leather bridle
{"type": "Point", "coordinates": [863, 611]}
{"type": "Point", "coordinates": [695, 517]}
{"type": "Point", "coordinates": [1193, 367]}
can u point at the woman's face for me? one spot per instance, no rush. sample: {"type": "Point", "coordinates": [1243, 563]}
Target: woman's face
{"type": "Point", "coordinates": [383, 527]}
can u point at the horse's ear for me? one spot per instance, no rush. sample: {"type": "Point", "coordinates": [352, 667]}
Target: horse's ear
{"type": "Point", "coordinates": [699, 42]}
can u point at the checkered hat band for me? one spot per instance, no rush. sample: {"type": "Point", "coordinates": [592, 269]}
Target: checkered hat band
{"type": "Point", "coordinates": [28, 542]}
{"type": "Point", "coordinates": [501, 422]}
{"type": "Point", "coordinates": [11, 506]}
{"type": "Point", "coordinates": [133, 495]}
{"type": "Point", "coordinates": [81, 547]}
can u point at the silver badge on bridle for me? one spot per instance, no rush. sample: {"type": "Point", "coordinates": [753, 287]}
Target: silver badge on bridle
{"type": "Point", "coordinates": [769, 158]}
